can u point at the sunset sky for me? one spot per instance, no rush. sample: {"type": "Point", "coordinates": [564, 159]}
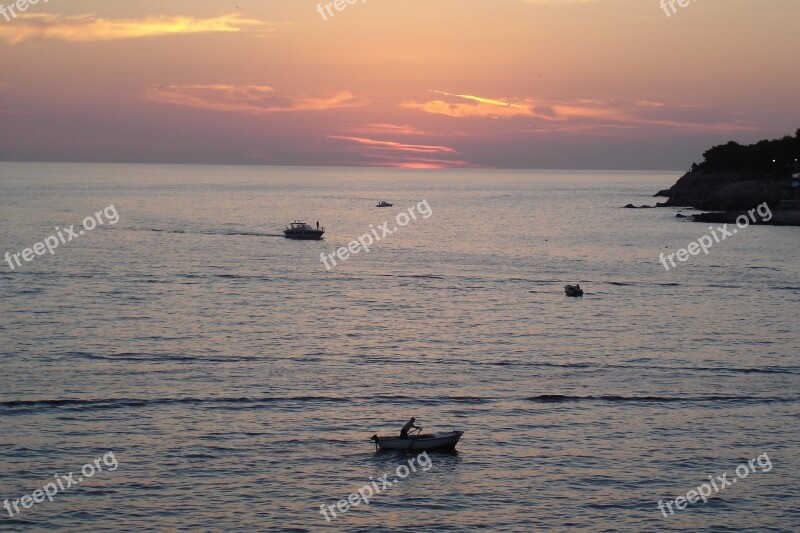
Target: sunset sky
{"type": "Point", "coordinates": [594, 84]}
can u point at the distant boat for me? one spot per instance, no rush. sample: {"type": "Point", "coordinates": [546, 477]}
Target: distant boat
{"type": "Point", "coordinates": [573, 290]}
{"type": "Point", "coordinates": [301, 230]}
{"type": "Point", "coordinates": [424, 442]}
{"type": "Point", "coordinates": [383, 203]}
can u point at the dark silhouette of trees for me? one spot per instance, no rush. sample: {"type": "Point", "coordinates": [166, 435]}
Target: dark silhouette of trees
{"type": "Point", "coordinates": [768, 158]}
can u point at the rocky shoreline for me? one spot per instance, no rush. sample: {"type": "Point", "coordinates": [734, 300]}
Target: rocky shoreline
{"type": "Point", "coordinates": [780, 217]}
{"type": "Point", "coordinates": [728, 196]}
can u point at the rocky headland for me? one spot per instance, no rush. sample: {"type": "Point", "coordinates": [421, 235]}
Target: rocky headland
{"type": "Point", "coordinates": [735, 178]}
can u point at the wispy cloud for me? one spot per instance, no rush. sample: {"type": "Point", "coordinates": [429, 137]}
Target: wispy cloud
{"type": "Point", "coordinates": [87, 28]}
{"type": "Point", "coordinates": [382, 127]}
{"type": "Point", "coordinates": [579, 113]}
{"type": "Point", "coordinates": [248, 99]}
{"type": "Point", "coordinates": [478, 107]}
{"type": "Point", "coordinates": [482, 100]}
{"type": "Point", "coordinates": [392, 145]}
{"type": "Point", "coordinates": [403, 155]}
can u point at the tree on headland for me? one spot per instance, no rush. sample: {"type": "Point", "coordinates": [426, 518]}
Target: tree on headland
{"type": "Point", "coordinates": [797, 142]}
{"type": "Point", "coordinates": [766, 158]}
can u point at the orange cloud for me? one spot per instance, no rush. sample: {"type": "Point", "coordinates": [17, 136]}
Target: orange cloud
{"type": "Point", "coordinates": [401, 129]}
{"type": "Point", "coordinates": [482, 100]}
{"type": "Point", "coordinates": [249, 99]}
{"type": "Point", "coordinates": [483, 107]}
{"type": "Point", "coordinates": [391, 145]}
{"type": "Point", "coordinates": [402, 155]}
{"type": "Point", "coordinates": [86, 28]}
{"type": "Point", "coordinates": [439, 107]}
{"type": "Point", "coordinates": [585, 112]}
{"type": "Point", "coordinates": [381, 128]}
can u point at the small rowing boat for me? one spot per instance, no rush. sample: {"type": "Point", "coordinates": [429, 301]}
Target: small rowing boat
{"type": "Point", "coordinates": [573, 290]}
{"type": "Point", "coordinates": [423, 442]}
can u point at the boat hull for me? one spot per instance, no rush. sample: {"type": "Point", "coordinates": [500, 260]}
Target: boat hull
{"type": "Point", "coordinates": [440, 441]}
{"type": "Point", "coordinates": [572, 290]}
{"type": "Point", "coordinates": [305, 236]}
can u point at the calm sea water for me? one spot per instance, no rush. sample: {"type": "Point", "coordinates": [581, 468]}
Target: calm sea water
{"type": "Point", "coordinates": [237, 382]}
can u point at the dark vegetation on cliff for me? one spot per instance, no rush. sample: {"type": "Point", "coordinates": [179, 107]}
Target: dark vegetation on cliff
{"type": "Point", "coordinates": [774, 159]}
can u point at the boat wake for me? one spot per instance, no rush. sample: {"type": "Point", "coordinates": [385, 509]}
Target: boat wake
{"type": "Point", "coordinates": [234, 233]}
{"type": "Point", "coordinates": [561, 398]}
{"type": "Point", "coordinates": [79, 404]}
{"type": "Point", "coordinates": [16, 407]}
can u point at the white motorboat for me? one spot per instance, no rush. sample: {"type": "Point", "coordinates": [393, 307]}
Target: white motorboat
{"type": "Point", "coordinates": [301, 230]}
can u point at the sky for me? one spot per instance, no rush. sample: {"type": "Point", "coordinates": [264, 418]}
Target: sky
{"type": "Point", "coordinates": [568, 84]}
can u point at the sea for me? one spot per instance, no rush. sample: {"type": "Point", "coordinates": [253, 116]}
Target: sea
{"type": "Point", "coordinates": [187, 368]}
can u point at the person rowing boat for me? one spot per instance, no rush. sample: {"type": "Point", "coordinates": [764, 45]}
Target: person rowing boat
{"type": "Point", "coordinates": [409, 425]}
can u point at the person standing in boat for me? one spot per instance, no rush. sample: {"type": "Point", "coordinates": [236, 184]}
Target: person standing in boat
{"type": "Point", "coordinates": [407, 428]}
{"type": "Point", "coordinates": [317, 224]}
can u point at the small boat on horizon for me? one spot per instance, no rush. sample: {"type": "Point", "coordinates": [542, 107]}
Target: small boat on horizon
{"type": "Point", "coordinates": [384, 203]}
{"type": "Point", "coordinates": [424, 442]}
{"type": "Point", "coordinates": [302, 231]}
